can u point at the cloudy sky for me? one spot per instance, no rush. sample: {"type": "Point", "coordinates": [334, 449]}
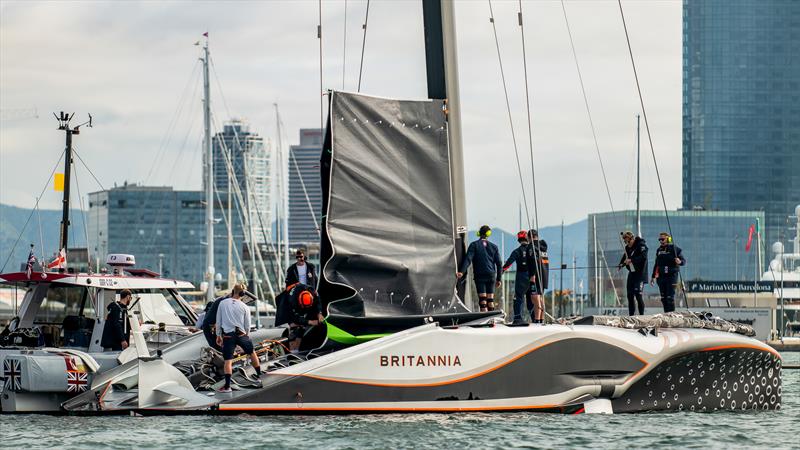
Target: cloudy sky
{"type": "Point", "coordinates": [134, 67]}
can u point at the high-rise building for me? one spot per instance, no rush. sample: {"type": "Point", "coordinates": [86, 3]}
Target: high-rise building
{"type": "Point", "coordinates": [164, 229]}
{"type": "Point", "coordinates": [714, 244]}
{"type": "Point", "coordinates": [305, 194]}
{"type": "Point", "coordinates": [741, 108]}
{"type": "Point", "coordinates": [250, 160]}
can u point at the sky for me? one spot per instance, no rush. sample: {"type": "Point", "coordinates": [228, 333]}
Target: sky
{"type": "Point", "coordinates": [134, 67]}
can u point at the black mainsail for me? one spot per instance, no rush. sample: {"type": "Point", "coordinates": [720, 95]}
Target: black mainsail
{"type": "Point", "coordinates": [388, 246]}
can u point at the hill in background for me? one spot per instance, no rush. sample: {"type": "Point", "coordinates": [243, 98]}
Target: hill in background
{"type": "Point", "coordinates": [13, 224]}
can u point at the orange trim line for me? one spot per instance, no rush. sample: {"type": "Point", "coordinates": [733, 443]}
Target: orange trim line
{"type": "Point", "coordinates": [458, 380]}
{"type": "Point", "coordinates": [425, 409]}
{"type": "Point", "coordinates": [732, 346]}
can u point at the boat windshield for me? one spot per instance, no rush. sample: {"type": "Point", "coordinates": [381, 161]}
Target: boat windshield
{"type": "Point", "coordinates": [62, 301]}
{"type": "Point", "coordinates": [160, 306]}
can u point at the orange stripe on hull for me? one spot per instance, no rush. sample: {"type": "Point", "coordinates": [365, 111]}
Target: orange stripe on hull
{"type": "Point", "coordinates": [386, 409]}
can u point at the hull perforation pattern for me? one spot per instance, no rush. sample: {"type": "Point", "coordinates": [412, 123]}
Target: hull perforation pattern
{"type": "Point", "coordinates": [730, 379]}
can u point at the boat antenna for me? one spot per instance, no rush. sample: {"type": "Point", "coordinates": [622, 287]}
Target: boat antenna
{"type": "Point", "coordinates": [64, 125]}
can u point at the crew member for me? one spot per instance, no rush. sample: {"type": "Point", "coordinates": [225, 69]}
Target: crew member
{"type": "Point", "coordinates": [669, 258]}
{"type": "Point", "coordinates": [233, 329]}
{"type": "Point", "coordinates": [115, 330]}
{"type": "Point", "coordinates": [301, 272]}
{"type": "Point", "coordinates": [299, 308]}
{"type": "Point", "coordinates": [488, 267]}
{"type": "Point", "coordinates": [209, 324]}
{"type": "Point", "coordinates": [540, 275]}
{"type": "Point", "coordinates": [523, 258]}
{"type": "Point", "coordinates": [635, 260]}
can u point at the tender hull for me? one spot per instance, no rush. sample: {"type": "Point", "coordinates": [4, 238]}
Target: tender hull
{"type": "Point", "coordinates": [539, 368]}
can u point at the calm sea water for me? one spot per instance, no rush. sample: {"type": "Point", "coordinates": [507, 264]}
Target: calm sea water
{"type": "Point", "coordinates": [773, 429]}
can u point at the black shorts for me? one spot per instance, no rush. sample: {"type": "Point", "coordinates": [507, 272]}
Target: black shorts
{"type": "Point", "coordinates": [231, 340]}
{"type": "Point", "coordinates": [484, 285]}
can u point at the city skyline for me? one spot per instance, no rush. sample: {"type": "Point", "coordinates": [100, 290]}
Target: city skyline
{"type": "Point", "coordinates": [139, 81]}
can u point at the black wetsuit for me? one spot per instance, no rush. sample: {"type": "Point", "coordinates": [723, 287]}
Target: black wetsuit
{"type": "Point", "coordinates": [637, 274]}
{"type": "Point", "coordinates": [210, 322]}
{"type": "Point", "coordinates": [522, 256]}
{"type": "Point", "coordinates": [115, 330]}
{"type": "Point", "coordinates": [542, 268]}
{"type": "Point", "coordinates": [666, 269]}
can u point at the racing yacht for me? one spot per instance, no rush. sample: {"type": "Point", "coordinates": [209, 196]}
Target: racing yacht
{"type": "Point", "coordinates": [398, 335]}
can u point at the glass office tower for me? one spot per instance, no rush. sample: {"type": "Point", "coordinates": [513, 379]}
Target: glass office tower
{"type": "Point", "coordinates": [741, 108]}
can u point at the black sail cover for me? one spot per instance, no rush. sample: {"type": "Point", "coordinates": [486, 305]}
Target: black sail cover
{"type": "Point", "coordinates": [387, 233]}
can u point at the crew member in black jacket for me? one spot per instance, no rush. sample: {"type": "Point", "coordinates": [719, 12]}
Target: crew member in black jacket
{"type": "Point", "coordinates": [488, 267]}
{"type": "Point", "coordinates": [522, 256]}
{"type": "Point", "coordinates": [115, 330]}
{"type": "Point", "coordinates": [540, 274]}
{"type": "Point", "coordinates": [669, 258]}
{"type": "Point", "coordinates": [302, 271]}
{"type": "Point", "coordinates": [635, 260]}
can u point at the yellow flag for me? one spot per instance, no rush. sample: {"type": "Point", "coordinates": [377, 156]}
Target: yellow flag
{"type": "Point", "coordinates": [58, 182]}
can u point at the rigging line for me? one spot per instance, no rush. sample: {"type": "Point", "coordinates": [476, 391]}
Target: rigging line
{"type": "Point", "coordinates": [644, 116]}
{"type": "Point", "coordinates": [302, 182]}
{"type": "Point", "coordinates": [173, 120]}
{"type": "Point", "coordinates": [39, 216]}
{"type": "Point", "coordinates": [264, 231]}
{"type": "Point", "coordinates": [508, 108]}
{"type": "Point", "coordinates": [586, 104]}
{"type": "Point", "coordinates": [305, 192]}
{"type": "Point", "coordinates": [226, 219]}
{"type": "Point", "coordinates": [610, 276]}
{"type": "Point", "coordinates": [650, 142]}
{"type": "Point", "coordinates": [591, 121]}
{"type": "Point", "coordinates": [75, 152]}
{"type": "Point", "coordinates": [46, 183]}
{"type": "Point", "coordinates": [530, 127]}
{"type": "Point", "coordinates": [321, 91]}
{"type": "Point", "coordinates": [344, 45]}
{"type": "Point", "coordinates": [363, 46]}
{"type": "Point", "coordinates": [149, 243]}
{"type": "Point", "coordinates": [83, 215]}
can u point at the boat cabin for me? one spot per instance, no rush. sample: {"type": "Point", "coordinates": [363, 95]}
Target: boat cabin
{"type": "Point", "coordinates": [69, 310]}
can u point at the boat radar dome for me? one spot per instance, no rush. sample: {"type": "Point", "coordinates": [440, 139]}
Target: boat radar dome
{"type": "Point", "coordinates": [777, 248]}
{"type": "Point", "coordinates": [120, 260]}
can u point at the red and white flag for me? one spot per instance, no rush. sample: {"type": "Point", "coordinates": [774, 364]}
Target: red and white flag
{"type": "Point", "coordinates": [60, 262]}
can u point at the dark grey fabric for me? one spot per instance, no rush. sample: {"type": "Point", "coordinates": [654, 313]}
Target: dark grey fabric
{"type": "Point", "coordinates": [389, 214]}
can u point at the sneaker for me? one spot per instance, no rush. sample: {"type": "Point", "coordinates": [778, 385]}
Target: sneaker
{"type": "Point", "coordinates": [225, 390]}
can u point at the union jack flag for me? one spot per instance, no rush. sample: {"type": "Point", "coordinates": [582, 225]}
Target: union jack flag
{"type": "Point", "coordinates": [77, 381]}
{"type": "Point", "coordinates": [13, 375]}
{"type": "Point", "coordinates": [31, 262]}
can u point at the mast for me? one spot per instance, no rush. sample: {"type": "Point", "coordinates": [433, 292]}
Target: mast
{"type": "Point", "coordinates": [209, 178]}
{"type": "Point", "coordinates": [441, 64]}
{"type": "Point", "coordinates": [231, 272]}
{"type": "Point", "coordinates": [283, 168]}
{"type": "Point", "coordinates": [595, 264]}
{"type": "Point", "coordinates": [561, 274]}
{"type": "Point", "coordinates": [64, 125]}
{"type": "Point", "coordinates": [638, 185]}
